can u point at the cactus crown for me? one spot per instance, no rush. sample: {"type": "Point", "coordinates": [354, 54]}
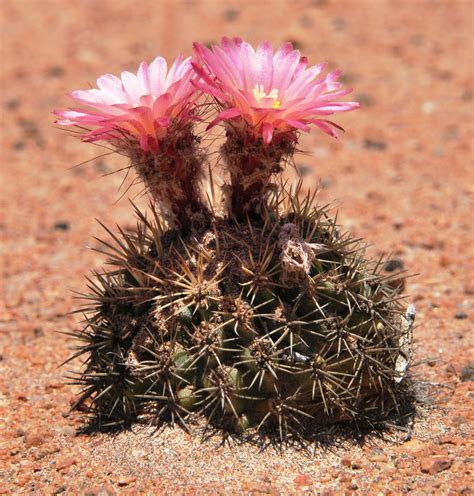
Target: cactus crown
{"type": "Point", "coordinates": [259, 315]}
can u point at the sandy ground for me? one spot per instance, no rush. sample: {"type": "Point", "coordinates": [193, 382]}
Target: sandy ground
{"type": "Point", "coordinates": [402, 177]}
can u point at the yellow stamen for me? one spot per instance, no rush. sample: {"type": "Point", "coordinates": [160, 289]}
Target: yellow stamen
{"type": "Point", "coordinates": [259, 93]}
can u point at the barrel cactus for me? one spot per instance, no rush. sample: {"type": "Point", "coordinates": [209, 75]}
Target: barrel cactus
{"type": "Point", "coordinates": [248, 305]}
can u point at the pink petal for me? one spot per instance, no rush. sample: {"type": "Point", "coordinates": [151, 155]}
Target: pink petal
{"type": "Point", "coordinates": [263, 65]}
{"type": "Point", "coordinates": [112, 86]}
{"type": "Point", "coordinates": [225, 115]}
{"type": "Point", "coordinates": [132, 86]}
{"type": "Point", "coordinates": [143, 78]}
{"type": "Point", "coordinates": [297, 124]}
{"type": "Point", "coordinates": [267, 132]}
{"type": "Point", "coordinates": [157, 75]}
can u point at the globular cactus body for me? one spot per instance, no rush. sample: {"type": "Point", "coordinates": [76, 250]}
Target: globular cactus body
{"type": "Point", "coordinates": [275, 321]}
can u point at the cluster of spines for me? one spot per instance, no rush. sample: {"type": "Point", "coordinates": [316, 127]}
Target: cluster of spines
{"type": "Point", "coordinates": [211, 323]}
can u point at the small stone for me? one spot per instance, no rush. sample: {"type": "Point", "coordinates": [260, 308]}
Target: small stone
{"type": "Point", "coordinates": [61, 225]}
{"type": "Point", "coordinates": [325, 182]}
{"type": "Point", "coordinates": [378, 459]}
{"type": "Point", "coordinates": [34, 439]}
{"type": "Point", "coordinates": [372, 144]}
{"type": "Point", "coordinates": [458, 420]}
{"type": "Point", "coordinates": [102, 167]}
{"type": "Point", "coordinates": [12, 104]}
{"type": "Point", "coordinates": [55, 71]}
{"type": "Point", "coordinates": [231, 15]}
{"type": "Point", "coordinates": [68, 431]}
{"type": "Point", "coordinates": [303, 480]}
{"type": "Point", "coordinates": [65, 462]}
{"type": "Point", "coordinates": [448, 439]}
{"type": "Point", "coordinates": [55, 385]}
{"type": "Point", "coordinates": [356, 465]}
{"type": "Point", "coordinates": [126, 481]}
{"type": "Point", "coordinates": [346, 462]}
{"type": "Point", "coordinates": [19, 145]}
{"type": "Point", "coordinates": [393, 265]}
{"type": "Point", "coordinates": [435, 464]}
{"type": "Point", "coordinates": [427, 107]}
{"type": "Point", "coordinates": [339, 23]}
{"type": "Point", "coordinates": [261, 489]}
{"type": "Point", "coordinates": [445, 260]}
{"type": "Point", "coordinates": [467, 373]}
{"type": "Point", "coordinates": [364, 99]}
{"type": "Point", "coordinates": [20, 432]}
{"type": "Point", "coordinates": [38, 332]}
{"type": "Point", "coordinates": [304, 170]}
{"type": "Point", "coordinates": [451, 133]}
{"type": "Point", "coordinates": [460, 315]}
{"type": "Point", "coordinates": [306, 21]}
{"type": "Point", "coordinates": [413, 446]}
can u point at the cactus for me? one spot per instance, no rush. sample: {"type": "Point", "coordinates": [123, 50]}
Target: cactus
{"type": "Point", "coordinates": [263, 317]}
{"type": "Point", "coordinates": [277, 321]}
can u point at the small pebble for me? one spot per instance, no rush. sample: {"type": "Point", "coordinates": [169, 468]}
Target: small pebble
{"type": "Point", "coordinates": [12, 104]}
{"type": "Point", "coordinates": [325, 182]}
{"type": "Point", "coordinates": [19, 145]}
{"type": "Point", "coordinates": [102, 167]}
{"type": "Point", "coordinates": [467, 96]}
{"type": "Point", "coordinates": [61, 225]}
{"type": "Point", "coordinates": [306, 22]}
{"type": "Point", "coordinates": [55, 71]}
{"type": "Point", "coordinates": [231, 15]}
{"type": "Point", "coordinates": [68, 431]}
{"type": "Point", "coordinates": [339, 23]}
{"type": "Point", "coordinates": [393, 265]}
{"type": "Point", "coordinates": [126, 481]}
{"type": "Point", "coordinates": [435, 464]}
{"type": "Point", "coordinates": [427, 107]}
{"type": "Point", "coordinates": [304, 170]}
{"type": "Point", "coordinates": [467, 373]}
{"type": "Point", "coordinates": [65, 462]}
{"type": "Point", "coordinates": [460, 315]}
{"type": "Point", "coordinates": [364, 99]}
{"type": "Point", "coordinates": [38, 332]}
{"type": "Point", "coordinates": [35, 439]}
{"type": "Point", "coordinates": [372, 144]}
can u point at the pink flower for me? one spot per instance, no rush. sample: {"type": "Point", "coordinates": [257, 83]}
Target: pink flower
{"type": "Point", "coordinates": [141, 106]}
{"type": "Point", "coordinates": [270, 92]}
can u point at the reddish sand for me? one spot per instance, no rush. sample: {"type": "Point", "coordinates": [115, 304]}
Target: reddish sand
{"type": "Point", "coordinates": [402, 177]}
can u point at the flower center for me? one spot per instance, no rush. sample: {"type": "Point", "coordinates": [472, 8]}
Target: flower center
{"type": "Point", "coordinates": [259, 94]}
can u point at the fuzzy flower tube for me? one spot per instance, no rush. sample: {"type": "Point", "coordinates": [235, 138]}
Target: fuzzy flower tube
{"type": "Point", "coordinates": [149, 117]}
{"type": "Point", "coordinates": [265, 99]}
